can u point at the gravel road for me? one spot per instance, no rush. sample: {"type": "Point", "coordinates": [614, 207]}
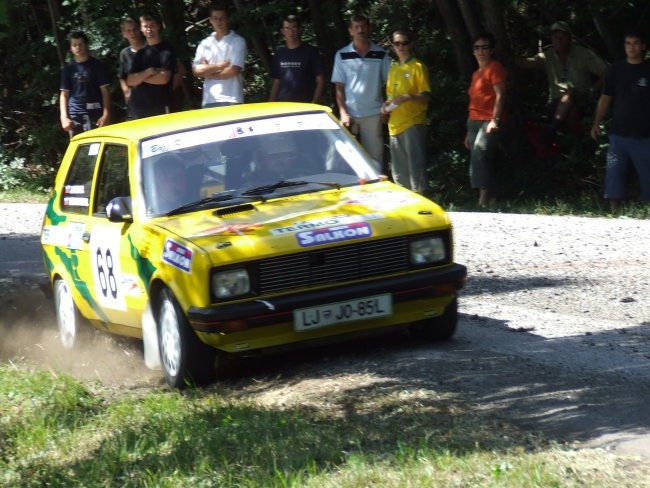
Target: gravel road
{"type": "Point", "coordinates": [554, 331]}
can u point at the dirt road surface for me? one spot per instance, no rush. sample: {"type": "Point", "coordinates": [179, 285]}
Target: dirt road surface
{"type": "Point", "coordinates": [554, 331]}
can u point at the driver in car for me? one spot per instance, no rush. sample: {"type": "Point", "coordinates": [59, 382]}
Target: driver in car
{"type": "Point", "coordinates": [275, 160]}
{"type": "Point", "coordinates": [170, 184]}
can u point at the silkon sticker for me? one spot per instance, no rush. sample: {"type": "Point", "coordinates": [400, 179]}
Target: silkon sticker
{"type": "Point", "coordinates": [328, 235]}
{"type": "Point", "coordinates": [177, 255]}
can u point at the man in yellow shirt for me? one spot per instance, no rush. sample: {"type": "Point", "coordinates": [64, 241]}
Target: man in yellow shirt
{"type": "Point", "coordinates": [408, 95]}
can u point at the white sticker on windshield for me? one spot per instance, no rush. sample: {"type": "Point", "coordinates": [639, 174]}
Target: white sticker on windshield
{"type": "Point", "coordinates": [219, 133]}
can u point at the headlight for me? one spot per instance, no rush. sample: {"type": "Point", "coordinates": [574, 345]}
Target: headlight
{"type": "Point", "coordinates": [226, 284]}
{"type": "Point", "coordinates": [427, 251]}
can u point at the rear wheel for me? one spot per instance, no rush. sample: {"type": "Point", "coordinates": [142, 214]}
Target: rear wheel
{"type": "Point", "coordinates": [185, 360]}
{"type": "Point", "coordinates": [68, 318]}
{"type": "Point", "coordinates": [438, 328]}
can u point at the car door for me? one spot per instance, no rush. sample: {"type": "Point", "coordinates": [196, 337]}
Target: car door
{"type": "Point", "coordinates": [118, 287]}
{"type": "Point", "coordinates": [97, 252]}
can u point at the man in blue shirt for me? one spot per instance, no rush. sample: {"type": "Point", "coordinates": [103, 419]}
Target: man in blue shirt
{"type": "Point", "coordinates": [85, 99]}
{"type": "Point", "coordinates": [360, 74]}
{"type": "Point", "coordinates": [626, 89]}
{"type": "Point", "coordinates": [297, 68]}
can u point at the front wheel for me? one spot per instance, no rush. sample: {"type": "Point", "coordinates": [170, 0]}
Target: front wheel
{"type": "Point", "coordinates": [438, 328]}
{"type": "Point", "coordinates": [68, 318]}
{"type": "Point", "coordinates": [185, 360]}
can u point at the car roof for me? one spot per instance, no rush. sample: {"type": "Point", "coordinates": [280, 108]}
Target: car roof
{"type": "Point", "coordinates": [162, 124]}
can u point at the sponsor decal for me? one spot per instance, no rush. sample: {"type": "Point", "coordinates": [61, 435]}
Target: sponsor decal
{"type": "Point", "coordinates": [74, 190]}
{"type": "Point", "coordinates": [328, 235]}
{"type": "Point", "coordinates": [334, 220]}
{"type": "Point", "coordinates": [385, 200]}
{"type": "Point", "coordinates": [229, 229]}
{"type": "Point", "coordinates": [69, 236]}
{"type": "Point", "coordinates": [75, 202]}
{"type": "Point", "coordinates": [200, 137]}
{"type": "Point", "coordinates": [177, 255]}
{"type": "Point", "coordinates": [131, 286]}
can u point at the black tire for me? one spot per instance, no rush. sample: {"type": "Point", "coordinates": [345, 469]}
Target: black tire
{"type": "Point", "coordinates": [68, 318]}
{"type": "Point", "coordinates": [185, 360]}
{"type": "Point", "coordinates": [439, 328]}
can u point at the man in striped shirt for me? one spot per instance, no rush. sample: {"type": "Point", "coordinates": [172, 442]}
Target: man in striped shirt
{"type": "Point", "coordinates": [360, 74]}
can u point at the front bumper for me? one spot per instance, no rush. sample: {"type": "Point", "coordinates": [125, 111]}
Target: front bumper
{"type": "Point", "coordinates": [429, 283]}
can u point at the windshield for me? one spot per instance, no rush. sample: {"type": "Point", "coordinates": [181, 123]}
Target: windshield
{"type": "Point", "coordinates": [255, 159]}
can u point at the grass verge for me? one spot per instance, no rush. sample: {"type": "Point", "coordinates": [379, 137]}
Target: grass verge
{"type": "Point", "coordinates": [56, 431]}
{"type": "Point", "coordinates": [23, 195]}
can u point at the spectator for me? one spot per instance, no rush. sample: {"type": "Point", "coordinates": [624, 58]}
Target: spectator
{"type": "Point", "coordinates": [486, 97]}
{"type": "Point", "coordinates": [626, 87]}
{"type": "Point", "coordinates": [85, 100]}
{"type": "Point", "coordinates": [131, 32]}
{"type": "Point", "coordinates": [360, 74]}
{"type": "Point", "coordinates": [219, 60]}
{"type": "Point", "coordinates": [297, 68]}
{"type": "Point", "coordinates": [152, 71]}
{"type": "Point", "coordinates": [572, 71]}
{"type": "Point", "coordinates": [408, 95]}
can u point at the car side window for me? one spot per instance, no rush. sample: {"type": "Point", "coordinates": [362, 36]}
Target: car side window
{"type": "Point", "coordinates": [113, 180]}
{"type": "Point", "coordinates": [78, 183]}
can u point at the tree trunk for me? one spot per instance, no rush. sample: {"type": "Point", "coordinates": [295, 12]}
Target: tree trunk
{"type": "Point", "coordinates": [459, 38]}
{"type": "Point", "coordinates": [493, 12]}
{"type": "Point", "coordinates": [329, 39]}
{"type": "Point", "coordinates": [261, 48]}
{"type": "Point", "coordinates": [54, 18]}
{"type": "Point", "coordinates": [613, 48]}
{"type": "Point", "coordinates": [471, 17]}
{"type": "Point", "coordinates": [513, 140]}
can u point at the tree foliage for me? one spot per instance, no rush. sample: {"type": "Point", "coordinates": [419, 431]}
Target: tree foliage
{"type": "Point", "coordinates": [33, 48]}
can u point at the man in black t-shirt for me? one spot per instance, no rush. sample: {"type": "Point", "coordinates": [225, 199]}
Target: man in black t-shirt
{"type": "Point", "coordinates": [297, 69]}
{"type": "Point", "coordinates": [152, 72]}
{"type": "Point", "coordinates": [85, 99]}
{"type": "Point", "coordinates": [627, 87]}
{"type": "Point", "coordinates": [131, 32]}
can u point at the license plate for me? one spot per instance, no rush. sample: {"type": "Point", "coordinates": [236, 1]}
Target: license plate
{"type": "Point", "coordinates": [342, 312]}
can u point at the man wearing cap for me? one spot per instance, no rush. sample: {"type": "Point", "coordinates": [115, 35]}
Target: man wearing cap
{"type": "Point", "coordinates": [573, 72]}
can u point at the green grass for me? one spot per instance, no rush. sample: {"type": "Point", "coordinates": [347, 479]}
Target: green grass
{"type": "Point", "coordinates": [23, 195]}
{"type": "Point", "coordinates": [55, 431]}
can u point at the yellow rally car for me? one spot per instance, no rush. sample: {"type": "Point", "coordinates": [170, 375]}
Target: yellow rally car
{"type": "Point", "coordinates": [239, 230]}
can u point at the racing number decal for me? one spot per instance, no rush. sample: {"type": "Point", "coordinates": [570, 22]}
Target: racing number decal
{"type": "Point", "coordinates": [105, 263]}
{"type": "Point", "coordinates": [106, 273]}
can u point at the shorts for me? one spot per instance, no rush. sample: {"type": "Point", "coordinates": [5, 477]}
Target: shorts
{"type": "Point", "coordinates": [83, 122]}
{"type": "Point", "coordinates": [482, 148]}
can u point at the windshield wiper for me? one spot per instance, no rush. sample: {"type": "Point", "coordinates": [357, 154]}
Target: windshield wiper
{"type": "Point", "coordinates": [287, 184]}
{"type": "Point", "coordinates": [258, 190]}
{"type": "Point", "coordinates": [212, 200]}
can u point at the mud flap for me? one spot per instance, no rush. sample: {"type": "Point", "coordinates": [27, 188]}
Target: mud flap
{"type": "Point", "coordinates": [150, 339]}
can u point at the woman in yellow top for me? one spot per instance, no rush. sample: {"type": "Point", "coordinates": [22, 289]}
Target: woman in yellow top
{"type": "Point", "coordinates": [408, 95]}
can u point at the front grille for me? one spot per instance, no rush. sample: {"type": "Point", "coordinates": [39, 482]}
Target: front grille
{"type": "Point", "coordinates": [339, 264]}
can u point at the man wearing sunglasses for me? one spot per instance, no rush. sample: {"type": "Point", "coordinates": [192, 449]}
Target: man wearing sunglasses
{"type": "Point", "coordinates": [408, 94]}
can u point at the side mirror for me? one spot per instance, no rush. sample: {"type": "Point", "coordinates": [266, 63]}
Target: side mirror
{"type": "Point", "coordinates": [119, 210]}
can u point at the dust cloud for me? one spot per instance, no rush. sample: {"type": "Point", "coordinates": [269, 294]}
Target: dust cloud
{"type": "Point", "coordinates": [29, 338]}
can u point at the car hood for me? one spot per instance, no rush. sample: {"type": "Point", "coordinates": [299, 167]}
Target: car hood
{"type": "Point", "coordinates": [311, 220]}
